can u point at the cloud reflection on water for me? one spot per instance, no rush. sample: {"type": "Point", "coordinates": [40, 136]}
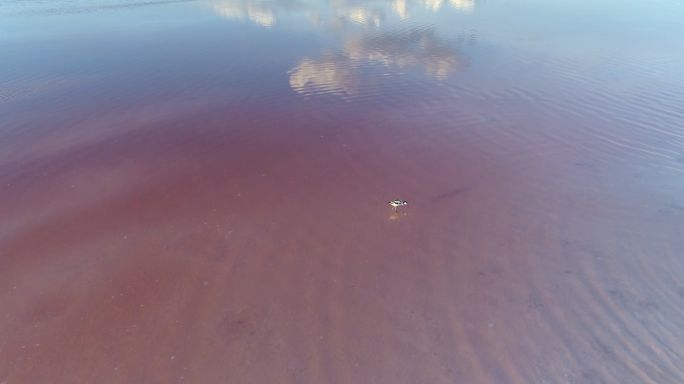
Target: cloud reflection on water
{"type": "Point", "coordinates": [342, 72]}
{"type": "Point", "coordinates": [367, 13]}
{"type": "Point", "coordinates": [368, 46]}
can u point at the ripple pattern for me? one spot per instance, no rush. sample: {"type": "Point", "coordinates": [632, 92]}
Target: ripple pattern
{"type": "Point", "coordinates": [214, 207]}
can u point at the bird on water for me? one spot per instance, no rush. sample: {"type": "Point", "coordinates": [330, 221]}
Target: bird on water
{"type": "Point", "coordinates": [397, 203]}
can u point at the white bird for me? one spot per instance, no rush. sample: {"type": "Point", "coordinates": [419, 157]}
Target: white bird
{"type": "Point", "coordinates": [397, 203]}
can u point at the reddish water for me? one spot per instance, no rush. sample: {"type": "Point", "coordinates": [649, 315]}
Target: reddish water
{"type": "Point", "coordinates": [196, 192]}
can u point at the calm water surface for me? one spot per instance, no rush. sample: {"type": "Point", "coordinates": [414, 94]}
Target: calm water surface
{"type": "Point", "coordinates": [196, 191]}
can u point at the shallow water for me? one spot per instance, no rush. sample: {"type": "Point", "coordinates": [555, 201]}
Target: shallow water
{"type": "Point", "coordinates": [196, 191]}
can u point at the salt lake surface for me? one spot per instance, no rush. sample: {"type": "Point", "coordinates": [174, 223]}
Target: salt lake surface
{"type": "Point", "coordinates": [196, 191]}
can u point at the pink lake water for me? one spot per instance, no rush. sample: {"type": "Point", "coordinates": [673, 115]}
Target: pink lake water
{"type": "Point", "coordinates": [196, 191]}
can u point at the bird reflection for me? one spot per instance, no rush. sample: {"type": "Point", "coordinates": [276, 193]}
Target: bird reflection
{"type": "Point", "coordinates": [342, 72]}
